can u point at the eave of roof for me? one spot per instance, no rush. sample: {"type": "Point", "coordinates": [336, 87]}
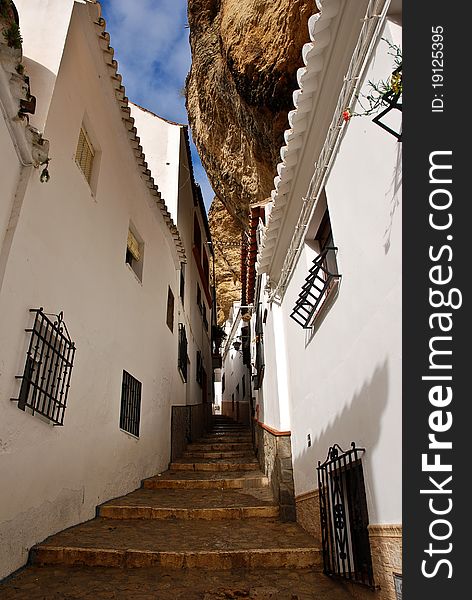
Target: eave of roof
{"type": "Point", "coordinates": [313, 54]}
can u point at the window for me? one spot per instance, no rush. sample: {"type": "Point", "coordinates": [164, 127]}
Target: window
{"type": "Point", "coordinates": [223, 383]}
{"type": "Point", "coordinates": [244, 386]}
{"type": "Point", "coordinates": [199, 298]}
{"type": "Point", "coordinates": [134, 253]}
{"type": "Point", "coordinates": [85, 154]}
{"type": "Point", "coordinates": [321, 279]}
{"type": "Point", "coordinates": [344, 516]}
{"type": "Point", "coordinates": [204, 315]}
{"type": "Point", "coordinates": [182, 282]}
{"type": "Point", "coordinates": [183, 357]}
{"type": "Point", "coordinates": [49, 360]}
{"type": "Point", "coordinates": [130, 412]}
{"type": "Point", "coordinates": [170, 310]}
{"type": "Point", "coordinates": [199, 368]}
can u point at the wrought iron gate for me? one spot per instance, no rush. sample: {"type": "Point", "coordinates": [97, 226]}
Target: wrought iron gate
{"type": "Point", "coordinates": [344, 518]}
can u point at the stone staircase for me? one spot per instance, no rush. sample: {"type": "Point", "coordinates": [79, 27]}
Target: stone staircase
{"type": "Point", "coordinates": [207, 528]}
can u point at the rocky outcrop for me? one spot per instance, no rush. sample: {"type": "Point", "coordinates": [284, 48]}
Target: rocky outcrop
{"type": "Point", "coordinates": [245, 55]}
{"type": "Point", "coordinates": [226, 233]}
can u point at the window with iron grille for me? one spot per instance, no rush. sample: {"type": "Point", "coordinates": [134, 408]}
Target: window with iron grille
{"type": "Point", "coordinates": [260, 364]}
{"type": "Point", "coordinates": [170, 310]}
{"type": "Point", "coordinates": [344, 517]}
{"type": "Point", "coordinates": [49, 360]}
{"type": "Point", "coordinates": [183, 356]}
{"type": "Point", "coordinates": [321, 278]}
{"type": "Point", "coordinates": [130, 412]}
{"type": "Point", "coordinates": [85, 154]}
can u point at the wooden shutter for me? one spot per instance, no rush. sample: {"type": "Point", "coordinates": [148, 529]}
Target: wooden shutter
{"type": "Point", "coordinates": [84, 154]}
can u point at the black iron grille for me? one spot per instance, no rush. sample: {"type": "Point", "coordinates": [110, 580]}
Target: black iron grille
{"type": "Point", "coordinates": [49, 360]}
{"type": "Point", "coordinates": [315, 289]}
{"type": "Point", "coordinates": [182, 363]}
{"type": "Point", "coordinates": [344, 518]}
{"type": "Point", "coordinates": [130, 413]}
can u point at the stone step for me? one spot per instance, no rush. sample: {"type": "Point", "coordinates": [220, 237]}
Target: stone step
{"type": "Point", "coordinates": [225, 544]}
{"type": "Point", "coordinates": [201, 480]}
{"type": "Point", "coordinates": [55, 582]}
{"type": "Point", "coordinates": [214, 454]}
{"type": "Point", "coordinates": [193, 504]}
{"type": "Point", "coordinates": [226, 447]}
{"type": "Point", "coordinates": [229, 434]}
{"type": "Point", "coordinates": [225, 439]}
{"type": "Point", "coordinates": [207, 464]}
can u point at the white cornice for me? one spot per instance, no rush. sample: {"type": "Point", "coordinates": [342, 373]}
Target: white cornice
{"type": "Point", "coordinates": [335, 21]}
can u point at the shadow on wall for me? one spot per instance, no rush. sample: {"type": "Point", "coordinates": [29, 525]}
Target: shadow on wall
{"type": "Point", "coordinates": [359, 422]}
{"type": "Point", "coordinates": [394, 190]}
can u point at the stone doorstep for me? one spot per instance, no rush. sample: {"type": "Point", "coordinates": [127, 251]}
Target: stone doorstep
{"type": "Point", "coordinates": [115, 511]}
{"type": "Point", "coordinates": [220, 466]}
{"type": "Point", "coordinates": [236, 483]}
{"type": "Point", "coordinates": [215, 559]}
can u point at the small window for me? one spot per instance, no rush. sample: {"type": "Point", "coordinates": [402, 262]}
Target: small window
{"type": "Point", "coordinates": [199, 368]}
{"type": "Point", "coordinates": [182, 282]}
{"type": "Point", "coordinates": [85, 154]}
{"type": "Point", "coordinates": [244, 386]}
{"type": "Point", "coordinates": [183, 356]}
{"type": "Point", "coordinates": [130, 413]}
{"type": "Point", "coordinates": [134, 254]}
{"type": "Point", "coordinates": [199, 299]}
{"type": "Point", "coordinates": [170, 310]}
{"type": "Point", "coordinates": [223, 383]}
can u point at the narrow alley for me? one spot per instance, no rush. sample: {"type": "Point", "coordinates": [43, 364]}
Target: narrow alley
{"type": "Point", "coordinates": [211, 516]}
{"type": "Point", "coordinates": [195, 400]}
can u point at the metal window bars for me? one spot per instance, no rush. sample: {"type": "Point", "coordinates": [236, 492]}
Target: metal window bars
{"type": "Point", "coordinates": [315, 289]}
{"type": "Point", "coordinates": [130, 411]}
{"type": "Point", "coordinates": [183, 358]}
{"type": "Point", "coordinates": [344, 517]}
{"type": "Point", "coordinates": [46, 377]}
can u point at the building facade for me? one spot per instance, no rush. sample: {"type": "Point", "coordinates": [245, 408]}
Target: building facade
{"type": "Point", "coordinates": [98, 279]}
{"type": "Point", "coordinates": [327, 313]}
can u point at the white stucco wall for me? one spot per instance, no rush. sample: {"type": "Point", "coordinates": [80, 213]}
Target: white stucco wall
{"type": "Point", "coordinates": [44, 25]}
{"type": "Point", "coordinates": [345, 380]}
{"type": "Point", "coordinates": [161, 142]}
{"type": "Point", "coordinates": [68, 254]}
{"type": "Point", "coordinates": [9, 175]}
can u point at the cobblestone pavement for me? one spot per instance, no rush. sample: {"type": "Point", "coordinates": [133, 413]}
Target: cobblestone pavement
{"type": "Point", "coordinates": [194, 534]}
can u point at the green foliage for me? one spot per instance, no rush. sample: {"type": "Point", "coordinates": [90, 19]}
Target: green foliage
{"type": "Point", "coordinates": [12, 36]}
{"type": "Point", "coordinates": [372, 102]}
{"type": "Point", "coordinates": [6, 10]}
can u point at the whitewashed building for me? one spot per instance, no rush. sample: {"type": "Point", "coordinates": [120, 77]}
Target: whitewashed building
{"type": "Point", "coordinates": [236, 372]}
{"type": "Point", "coordinates": [328, 307]}
{"type": "Point", "coordinates": [99, 269]}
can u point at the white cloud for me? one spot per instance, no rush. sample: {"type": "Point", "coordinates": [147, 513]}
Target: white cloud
{"type": "Point", "coordinates": [151, 46]}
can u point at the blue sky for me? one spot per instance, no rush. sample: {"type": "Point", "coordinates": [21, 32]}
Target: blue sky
{"type": "Point", "coordinates": [150, 39]}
